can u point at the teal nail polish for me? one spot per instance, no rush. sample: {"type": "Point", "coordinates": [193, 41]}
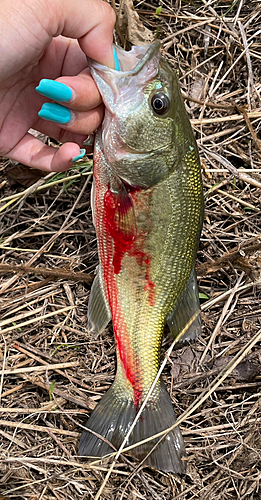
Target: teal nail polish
{"type": "Point", "coordinates": [89, 140]}
{"type": "Point", "coordinates": [54, 90]}
{"type": "Point", "coordinates": [116, 60]}
{"type": "Point", "coordinates": [55, 113]}
{"type": "Point", "coordinates": [82, 153]}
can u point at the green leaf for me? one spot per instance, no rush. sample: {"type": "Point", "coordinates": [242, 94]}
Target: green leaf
{"type": "Point", "coordinates": [14, 323]}
{"type": "Point", "coordinates": [66, 186]}
{"type": "Point", "coordinates": [158, 10]}
{"type": "Point", "coordinates": [73, 346]}
{"type": "Point", "coordinates": [51, 389]}
{"type": "Point", "coordinates": [58, 347]}
{"type": "Point", "coordinates": [203, 296]}
{"type": "Point", "coordinates": [211, 189]}
{"type": "Point", "coordinates": [57, 177]}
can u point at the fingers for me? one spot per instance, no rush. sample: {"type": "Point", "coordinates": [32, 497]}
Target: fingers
{"type": "Point", "coordinates": [80, 111]}
{"type": "Point", "coordinates": [91, 22]}
{"type": "Point", "coordinates": [58, 134]}
{"type": "Point", "coordinates": [83, 123]}
{"type": "Point", "coordinates": [78, 93]}
{"type": "Point", "coordinates": [78, 107]}
{"type": "Point", "coordinates": [34, 153]}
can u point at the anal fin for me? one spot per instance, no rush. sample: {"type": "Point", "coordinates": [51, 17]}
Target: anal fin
{"type": "Point", "coordinates": [187, 306]}
{"type": "Point", "coordinates": [99, 313]}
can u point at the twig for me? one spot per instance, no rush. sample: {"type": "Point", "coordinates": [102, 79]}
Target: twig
{"type": "Point", "coordinates": [223, 119]}
{"type": "Point", "coordinates": [3, 371]}
{"type": "Point", "coordinates": [35, 320]}
{"type": "Point", "coordinates": [26, 192]}
{"type": "Point", "coordinates": [54, 236]}
{"type": "Point", "coordinates": [43, 271]}
{"type": "Point", "coordinates": [238, 200]}
{"type": "Point", "coordinates": [39, 186]}
{"type": "Point", "coordinates": [23, 315]}
{"type": "Point", "coordinates": [249, 65]}
{"type": "Point", "coordinates": [13, 439]}
{"type": "Point", "coordinates": [231, 256]}
{"type": "Point", "coordinates": [199, 65]}
{"type": "Point", "coordinates": [49, 408]}
{"type": "Point", "coordinates": [222, 296]}
{"type": "Point", "coordinates": [40, 369]}
{"type": "Point", "coordinates": [223, 314]}
{"type": "Point", "coordinates": [38, 428]}
{"type": "Point", "coordinates": [208, 104]}
{"type": "Point", "coordinates": [11, 391]}
{"type": "Point", "coordinates": [256, 140]}
{"type": "Point", "coordinates": [231, 67]}
{"type": "Point", "coordinates": [70, 463]}
{"type": "Point", "coordinates": [226, 163]}
{"type": "Point", "coordinates": [184, 30]}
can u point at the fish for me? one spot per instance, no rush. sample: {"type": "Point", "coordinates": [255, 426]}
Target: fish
{"type": "Point", "coordinates": [147, 203]}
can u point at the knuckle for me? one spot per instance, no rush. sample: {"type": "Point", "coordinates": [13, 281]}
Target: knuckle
{"type": "Point", "coordinates": [110, 14]}
{"type": "Point", "coordinates": [4, 151]}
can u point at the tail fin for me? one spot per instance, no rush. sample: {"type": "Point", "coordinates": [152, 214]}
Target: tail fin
{"type": "Point", "coordinates": [112, 419]}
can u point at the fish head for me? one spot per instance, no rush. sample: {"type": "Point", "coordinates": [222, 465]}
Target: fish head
{"type": "Point", "coordinates": [142, 135]}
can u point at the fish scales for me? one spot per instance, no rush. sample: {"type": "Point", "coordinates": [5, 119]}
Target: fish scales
{"type": "Point", "coordinates": [148, 208]}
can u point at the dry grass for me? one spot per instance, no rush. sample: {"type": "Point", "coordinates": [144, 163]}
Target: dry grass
{"type": "Point", "coordinates": [54, 371]}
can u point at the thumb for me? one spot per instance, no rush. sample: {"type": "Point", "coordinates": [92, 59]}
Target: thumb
{"type": "Point", "coordinates": [91, 22]}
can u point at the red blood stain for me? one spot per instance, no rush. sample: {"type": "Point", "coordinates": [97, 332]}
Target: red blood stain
{"type": "Point", "coordinates": [117, 214]}
{"type": "Point", "coordinates": [117, 222]}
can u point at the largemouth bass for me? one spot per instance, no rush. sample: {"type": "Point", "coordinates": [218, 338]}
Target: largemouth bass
{"type": "Point", "coordinates": [147, 209]}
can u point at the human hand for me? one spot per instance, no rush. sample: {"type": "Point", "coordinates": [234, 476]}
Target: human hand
{"type": "Point", "coordinates": [32, 49]}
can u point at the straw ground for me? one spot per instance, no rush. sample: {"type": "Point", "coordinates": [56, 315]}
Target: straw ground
{"type": "Point", "coordinates": [53, 371]}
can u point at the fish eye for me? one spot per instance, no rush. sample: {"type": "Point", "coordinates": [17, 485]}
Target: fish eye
{"type": "Point", "coordinates": [160, 103]}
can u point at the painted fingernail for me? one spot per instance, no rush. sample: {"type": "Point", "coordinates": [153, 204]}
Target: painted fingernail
{"type": "Point", "coordinates": [116, 60]}
{"type": "Point", "coordinates": [81, 155]}
{"type": "Point", "coordinates": [55, 113]}
{"type": "Point", "coordinates": [54, 90]}
{"type": "Point", "coordinates": [89, 140]}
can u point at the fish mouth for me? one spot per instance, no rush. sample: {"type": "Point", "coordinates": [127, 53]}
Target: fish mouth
{"type": "Point", "coordinates": [138, 67]}
{"type": "Point", "coordinates": [140, 54]}
{"type": "Point", "coordinates": [131, 62]}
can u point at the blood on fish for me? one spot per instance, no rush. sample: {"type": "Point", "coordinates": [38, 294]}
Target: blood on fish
{"type": "Point", "coordinates": [111, 255]}
{"type": "Point", "coordinates": [151, 289]}
{"type": "Point", "coordinates": [118, 221]}
{"type": "Point", "coordinates": [116, 217]}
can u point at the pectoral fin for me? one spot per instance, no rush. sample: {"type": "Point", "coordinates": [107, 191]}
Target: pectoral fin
{"type": "Point", "coordinates": [99, 313]}
{"type": "Point", "coordinates": [188, 305]}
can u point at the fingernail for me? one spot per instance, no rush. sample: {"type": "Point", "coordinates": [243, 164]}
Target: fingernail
{"type": "Point", "coordinates": [81, 155]}
{"type": "Point", "coordinates": [54, 90]}
{"type": "Point", "coordinates": [89, 140]}
{"type": "Point", "coordinates": [116, 60]}
{"type": "Point", "coordinates": [55, 113]}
